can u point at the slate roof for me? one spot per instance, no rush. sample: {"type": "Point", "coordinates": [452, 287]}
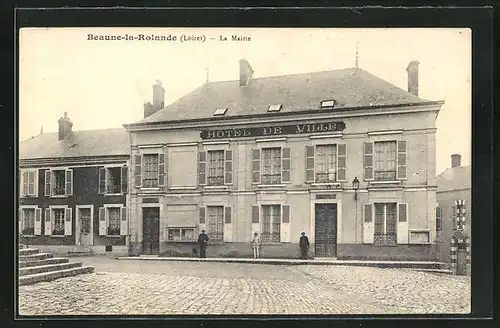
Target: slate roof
{"type": "Point", "coordinates": [80, 143]}
{"type": "Point", "coordinates": [349, 87]}
{"type": "Point", "coordinates": [454, 178]}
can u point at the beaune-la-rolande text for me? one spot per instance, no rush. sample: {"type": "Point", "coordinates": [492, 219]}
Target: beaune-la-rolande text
{"type": "Point", "coordinates": [235, 38]}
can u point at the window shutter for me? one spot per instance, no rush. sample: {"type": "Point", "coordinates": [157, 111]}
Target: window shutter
{"type": "Point", "coordinates": [123, 222]}
{"type": "Point", "coordinates": [202, 215]}
{"type": "Point", "coordinates": [24, 183]}
{"type": "Point", "coordinates": [454, 217]}
{"type": "Point", "coordinates": [285, 224]}
{"type": "Point", "coordinates": [285, 165]}
{"type": "Point", "coordinates": [102, 180]}
{"type": "Point", "coordinates": [227, 215]}
{"type": "Point", "coordinates": [31, 183]}
{"type": "Point", "coordinates": [402, 213]}
{"type": "Point", "coordinates": [48, 222]}
{"type": "Point", "coordinates": [228, 226]}
{"type": "Point", "coordinates": [38, 221]}
{"type": "Point", "coordinates": [255, 165]}
{"type": "Point", "coordinates": [69, 182]}
{"type": "Point", "coordinates": [202, 168]}
{"type": "Point", "coordinates": [368, 160]}
{"type": "Point", "coordinates": [439, 220]}
{"type": "Point", "coordinates": [228, 172]}
{"type": "Point", "coordinates": [102, 221]}
{"type": "Point", "coordinates": [20, 220]}
{"type": "Point", "coordinates": [401, 160]}
{"type": "Point", "coordinates": [285, 214]}
{"type": "Point", "coordinates": [68, 221]}
{"type": "Point", "coordinates": [36, 182]}
{"type": "Point", "coordinates": [310, 164]}
{"type": "Point", "coordinates": [161, 169]}
{"type": "Point", "coordinates": [255, 220]}
{"type": "Point", "coordinates": [402, 226]}
{"type": "Point", "coordinates": [341, 162]}
{"type": "Point", "coordinates": [48, 180]}
{"type": "Point", "coordinates": [138, 171]}
{"type": "Point", "coordinates": [124, 179]}
{"type": "Point", "coordinates": [368, 226]}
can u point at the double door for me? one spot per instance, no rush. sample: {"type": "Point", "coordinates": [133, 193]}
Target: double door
{"type": "Point", "coordinates": [325, 244]}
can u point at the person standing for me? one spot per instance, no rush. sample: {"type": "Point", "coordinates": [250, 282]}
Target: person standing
{"type": "Point", "coordinates": [256, 245]}
{"type": "Point", "coordinates": [304, 246]}
{"type": "Point", "coordinates": [203, 241]}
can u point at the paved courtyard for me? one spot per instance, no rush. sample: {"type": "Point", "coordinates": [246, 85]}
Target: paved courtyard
{"type": "Point", "coordinates": [153, 287]}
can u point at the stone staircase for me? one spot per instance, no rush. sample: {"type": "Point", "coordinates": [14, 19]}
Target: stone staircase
{"type": "Point", "coordinates": [37, 267]}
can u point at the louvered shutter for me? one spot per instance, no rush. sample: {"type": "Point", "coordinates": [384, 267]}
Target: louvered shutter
{"type": "Point", "coordinates": [138, 171]}
{"type": "Point", "coordinates": [439, 218]}
{"type": "Point", "coordinates": [102, 221]}
{"type": "Point", "coordinates": [202, 218]}
{"type": "Point", "coordinates": [124, 180]}
{"type": "Point", "coordinates": [341, 162]}
{"type": "Point", "coordinates": [48, 180]}
{"type": "Point", "coordinates": [255, 219]}
{"type": "Point", "coordinates": [310, 164]}
{"type": "Point", "coordinates": [368, 160]}
{"type": "Point", "coordinates": [69, 182]}
{"type": "Point", "coordinates": [402, 160]}
{"type": "Point", "coordinates": [255, 165]}
{"type": "Point", "coordinates": [285, 165]}
{"type": "Point", "coordinates": [102, 180]}
{"type": "Point", "coordinates": [68, 221]}
{"type": "Point", "coordinates": [20, 220]}
{"type": "Point", "coordinates": [123, 222]}
{"type": "Point", "coordinates": [48, 222]}
{"type": "Point", "coordinates": [228, 225]}
{"type": "Point", "coordinates": [228, 169]}
{"type": "Point", "coordinates": [368, 225]}
{"type": "Point", "coordinates": [31, 183]}
{"type": "Point", "coordinates": [285, 224]}
{"type": "Point", "coordinates": [202, 168]}
{"type": "Point", "coordinates": [161, 169]}
{"type": "Point", "coordinates": [38, 221]}
{"type": "Point", "coordinates": [402, 232]}
{"type": "Point", "coordinates": [24, 183]}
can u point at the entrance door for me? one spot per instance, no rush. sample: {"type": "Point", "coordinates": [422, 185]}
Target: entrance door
{"type": "Point", "coordinates": [85, 235]}
{"type": "Point", "coordinates": [326, 230]}
{"type": "Point", "coordinates": [150, 230]}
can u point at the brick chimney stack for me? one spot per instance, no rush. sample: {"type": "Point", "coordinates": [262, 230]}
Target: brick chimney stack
{"type": "Point", "coordinates": [246, 72]}
{"type": "Point", "coordinates": [456, 160]}
{"type": "Point", "coordinates": [412, 70]}
{"type": "Point", "coordinates": [65, 127]}
{"type": "Point", "coordinates": [158, 100]}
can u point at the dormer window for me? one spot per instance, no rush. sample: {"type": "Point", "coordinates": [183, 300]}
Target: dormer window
{"type": "Point", "coordinates": [328, 103]}
{"type": "Point", "coordinates": [220, 111]}
{"type": "Point", "coordinates": [274, 108]}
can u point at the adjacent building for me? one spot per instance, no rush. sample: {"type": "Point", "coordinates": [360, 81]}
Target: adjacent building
{"type": "Point", "coordinates": [342, 155]}
{"type": "Point", "coordinates": [73, 190]}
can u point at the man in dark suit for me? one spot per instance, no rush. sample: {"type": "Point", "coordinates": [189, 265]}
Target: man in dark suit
{"type": "Point", "coordinates": [304, 246]}
{"type": "Point", "coordinates": [203, 241]}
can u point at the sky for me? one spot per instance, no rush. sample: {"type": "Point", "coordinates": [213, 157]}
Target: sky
{"type": "Point", "coordinates": [104, 84]}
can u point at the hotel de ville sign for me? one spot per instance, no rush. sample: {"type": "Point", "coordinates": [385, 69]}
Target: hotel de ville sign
{"type": "Point", "coordinates": [273, 130]}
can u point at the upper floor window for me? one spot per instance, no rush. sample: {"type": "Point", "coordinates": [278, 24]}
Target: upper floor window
{"type": "Point", "coordinates": [215, 167]}
{"type": "Point", "coordinates": [113, 180]}
{"type": "Point", "coordinates": [149, 170]}
{"type": "Point", "coordinates": [29, 183]}
{"type": "Point", "coordinates": [271, 165]}
{"type": "Point", "coordinates": [326, 163]}
{"type": "Point", "coordinates": [59, 182]}
{"type": "Point", "coordinates": [385, 160]}
{"type": "Point", "coordinates": [150, 176]}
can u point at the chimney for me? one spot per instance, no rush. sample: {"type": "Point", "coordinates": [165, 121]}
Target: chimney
{"type": "Point", "coordinates": [412, 70]}
{"type": "Point", "coordinates": [456, 160]}
{"type": "Point", "coordinates": [158, 96]}
{"type": "Point", "coordinates": [65, 127]}
{"type": "Point", "coordinates": [246, 72]}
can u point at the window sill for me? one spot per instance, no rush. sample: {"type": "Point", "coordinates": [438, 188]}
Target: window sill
{"type": "Point", "coordinates": [29, 196]}
{"type": "Point", "coordinates": [374, 182]}
{"type": "Point", "coordinates": [215, 187]}
{"type": "Point", "coordinates": [29, 236]}
{"type": "Point", "coordinates": [150, 189]}
{"type": "Point", "coordinates": [58, 196]}
{"type": "Point", "coordinates": [59, 236]}
{"type": "Point", "coordinates": [119, 194]}
{"type": "Point", "coordinates": [182, 188]}
{"type": "Point", "coordinates": [181, 241]}
{"type": "Point", "coordinates": [271, 186]}
{"type": "Point", "coordinates": [113, 236]}
{"type": "Point", "coordinates": [321, 184]}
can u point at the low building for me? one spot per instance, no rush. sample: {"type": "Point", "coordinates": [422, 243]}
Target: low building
{"type": "Point", "coordinates": [73, 190]}
{"type": "Point", "coordinates": [454, 184]}
{"type": "Point", "coordinates": [282, 155]}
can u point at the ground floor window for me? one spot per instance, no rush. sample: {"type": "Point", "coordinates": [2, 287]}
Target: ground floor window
{"type": "Point", "coordinates": [385, 223]}
{"type": "Point", "coordinates": [28, 222]}
{"type": "Point", "coordinates": [180, 234]}
{"type": "Point", "coordinates": [58, 228]}
{"type": "Point", "coordinates": [113, 228]}
{"type": "Point", "coordinates": [271, 224]}
{"type": "Point", "coordinates": [215, 223]}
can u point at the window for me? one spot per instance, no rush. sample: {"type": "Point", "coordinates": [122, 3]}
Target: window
{"type": "Point", "coordinates": [385, 167]}
{"type": "Point", "coordinates": [215, 223]}
{"type": "Point", "coordinates": [150, 177]}
{"type": "Point", "coordinates": [271, 224]}
{"type": "Point", "coordinates": [327, 103]}
{"type": "Point", "coordinates": [215, 167]}
{"type": "Point", "coordinates": [439, 220]}
{"type": "Point", "coordinates": [385, 223]}
{"type": "Point", "coordinates": [274, 108]}
{"type": "Point", "coordinates": [59, 182]}
{"type": "Point", "coordinates": [29, 183]}
{"type": "Point", "coordinates": [180, 234]}
{"type": "Point", "coordinates": [326, 166]}
{"type": "Point", "coordinates": [113, 180]}
{"type": "Point", "coordinates": [113, 228]}
{"type": "Point", "coordinates": [271, 166]}
{"type": "Point", "coordinates": [58, 223]}
{"type": "Point", "coordinates": [28, 222]}
{"type": "Point", "coordinates": [220, 111]}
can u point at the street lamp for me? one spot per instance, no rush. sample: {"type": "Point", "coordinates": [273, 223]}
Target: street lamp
{"type": "Point", "coordinates": [355, 186]}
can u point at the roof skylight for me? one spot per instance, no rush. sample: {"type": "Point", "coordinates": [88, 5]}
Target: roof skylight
{"type": "Point", "coordinates": [275, 108]}
{"type": "Point", "coordinates": [327, 103]}
{"type": "Point", "coordinates": [220, 111]}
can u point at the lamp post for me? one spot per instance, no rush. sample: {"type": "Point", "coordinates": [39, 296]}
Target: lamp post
{"type": "Point", "coordinates": [355, 186]}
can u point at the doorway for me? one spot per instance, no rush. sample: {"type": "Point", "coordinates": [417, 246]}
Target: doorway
{"type": "Point", "coordinates": [84, 235]}
{"type": "Point", "coordinates": [150, 230]}
{"type": "Point", "coordinates": [325, 230]}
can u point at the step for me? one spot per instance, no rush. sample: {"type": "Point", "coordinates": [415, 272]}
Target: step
{"type": "Point", "coordinates": [441, 271]}
{"type": "Point", "coordinates": [48, 268]}
{"type": "Point", "coordinates": [53, 275]}
{"type": "Point", "coordinates": [28, 251]}
{"type": "Point", "coordinates": [34, 257]}
{"type": "Point", "coordinates": [53, 260]}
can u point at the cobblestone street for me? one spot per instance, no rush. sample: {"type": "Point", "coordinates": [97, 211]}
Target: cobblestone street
{"type": "Point", "coordinates": [149, 287]}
